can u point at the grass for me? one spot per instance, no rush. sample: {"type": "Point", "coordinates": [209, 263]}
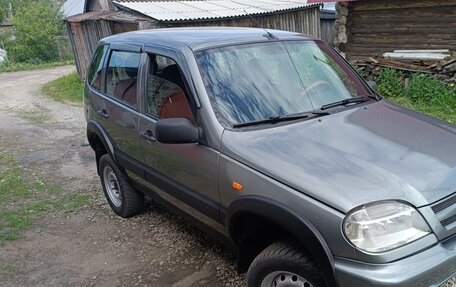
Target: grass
{"type": "Point", "coordinates": [16, 67]}
{"type": "Point", "coordinates": [23, 202]}
{"type": "Point", "coordinates": [68, 89]}
{"type": "Point", "coordinates": [35, 115]}
{"type": "Point", "coordinates": [421, 93]}
{"type": "Point", "coordinates": [6, 270]}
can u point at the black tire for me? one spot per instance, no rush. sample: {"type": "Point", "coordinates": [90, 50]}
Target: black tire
{"type": "Point", "coordinates": [282, 257]}
{"type": "Point", "coordinates": [130, 201]}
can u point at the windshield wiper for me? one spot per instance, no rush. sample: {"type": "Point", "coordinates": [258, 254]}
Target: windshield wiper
{"type": "Point", "coordinates": [277, 119]}
{"type": "Point", "coordinates": [359, 99]}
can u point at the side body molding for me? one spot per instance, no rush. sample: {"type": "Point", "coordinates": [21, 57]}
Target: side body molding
{"type": "Point", "coordinates": [279, 214]}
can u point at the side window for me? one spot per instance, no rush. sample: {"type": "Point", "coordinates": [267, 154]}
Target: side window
{"type": "Point", "coordinates": [165, 92]}
{"type": "Point", "coordinates": [94, 74]}
{"type": "Point", "coordinates": [121, 76]}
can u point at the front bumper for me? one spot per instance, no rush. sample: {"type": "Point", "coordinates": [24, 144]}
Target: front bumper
{"type": "Point", "coordinates": [429, 268]}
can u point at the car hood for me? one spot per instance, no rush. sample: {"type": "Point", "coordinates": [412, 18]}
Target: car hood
{"type": "Point", "coordinates": [374, 152]}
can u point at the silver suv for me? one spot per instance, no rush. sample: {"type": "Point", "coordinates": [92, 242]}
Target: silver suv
{"type": "Point", "coordinates": [272, 140]}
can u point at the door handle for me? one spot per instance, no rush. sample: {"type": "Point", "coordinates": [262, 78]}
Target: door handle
{"type": "Point", "coordinates": [103, 113]}
{"type": "Point", "coordinates": [148, 136]}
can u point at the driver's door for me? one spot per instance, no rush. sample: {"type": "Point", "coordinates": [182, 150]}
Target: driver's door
{"type": "Point", "coordinates": [184, 174]}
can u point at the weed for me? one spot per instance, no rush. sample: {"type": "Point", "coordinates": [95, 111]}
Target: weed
{"type": "Point", "coordinates": [20, 209]}
{"type": "Point", "coordinates": [15, 67]}
{"type": "Point", "coordinates": [391, 83]}
{"type": "Point", "coordinates": [426, 88]}
{"type": "Point", "coordinates": [68, 88]}
{"type": "Point", "coordinates": [11, 184]}
{"type": "Point", "coordinates": [74, 201]}
{"type": "Point", "coordinates": [422, 93]}
{"type": "Point", "coordinates": [6, 270]}
{"type": "Point", "coordinates": [36, 115]}
{"type": "Point", "coordinates": [12, 223]}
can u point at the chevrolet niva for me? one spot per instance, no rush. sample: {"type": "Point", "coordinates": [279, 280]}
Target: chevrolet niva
{"type": "Point", "coordinates": [271, 139]}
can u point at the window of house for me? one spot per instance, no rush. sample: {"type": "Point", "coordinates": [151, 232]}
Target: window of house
{"type": "Point", "coordinates": [121, 76]}
{"type": "Point", "coordinates": [166, 96]}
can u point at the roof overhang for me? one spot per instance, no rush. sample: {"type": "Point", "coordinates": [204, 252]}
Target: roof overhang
{"type": "Point", "coordinates": [186, 11]}
{"type": "Point", "coordinates": [117, 16]}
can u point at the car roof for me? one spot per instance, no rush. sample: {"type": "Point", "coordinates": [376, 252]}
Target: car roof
{"type": "Point", "coordinates": [202, 37]}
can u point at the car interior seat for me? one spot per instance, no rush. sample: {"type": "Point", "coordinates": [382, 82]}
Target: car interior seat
{"type": "Point", "coordinates": [176, 104]}
{"type": "Point", "coordinates": [126, 89]}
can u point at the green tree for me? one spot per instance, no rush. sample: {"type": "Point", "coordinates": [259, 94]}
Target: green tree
{"type": "Point", "coordinates": [1, 15]}
{"type": "Point", "coordinates": [5, 4]}
{"type": "Point", "coordinates": [37, 24]}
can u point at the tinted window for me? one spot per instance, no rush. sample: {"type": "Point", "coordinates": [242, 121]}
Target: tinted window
{"type": "Point", "coordinates": [121, 76]}
{"type": "Point", "coordinates": [94, 74]}
{"type": "Point", "coordinates": [165, 92]}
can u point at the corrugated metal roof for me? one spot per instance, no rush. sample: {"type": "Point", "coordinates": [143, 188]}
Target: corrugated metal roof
{"type": "Point", "coordinates": [72, 7]}
{"type": "Point", "coordinates": [211, 9]}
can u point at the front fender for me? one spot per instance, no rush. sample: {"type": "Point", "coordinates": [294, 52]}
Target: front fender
{"type": "Point", "coordinates": [297, 225]}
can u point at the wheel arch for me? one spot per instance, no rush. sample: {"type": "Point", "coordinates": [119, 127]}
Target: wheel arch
{"type": "Point", "coordinates": [278, 215]}
{"type": "Point", "coordinates": [99, 141]}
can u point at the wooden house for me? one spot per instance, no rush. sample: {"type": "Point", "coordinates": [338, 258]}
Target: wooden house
{"type": "Point", "coordinates": [366, 28]}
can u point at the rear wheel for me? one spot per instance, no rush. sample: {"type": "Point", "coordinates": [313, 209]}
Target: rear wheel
{"type": "Point", "coordinates": [283, 265]}
{"type": "Point", "coordinates": [124, 200]}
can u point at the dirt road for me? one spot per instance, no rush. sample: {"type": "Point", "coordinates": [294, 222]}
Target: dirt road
{"type": "Point", "coordinates": [90, 246]}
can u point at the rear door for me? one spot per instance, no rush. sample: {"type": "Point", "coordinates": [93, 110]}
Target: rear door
{"type": "Point", "coordinates": [186, 172]}
{"type": "Point", "coordinates": [117, 106]}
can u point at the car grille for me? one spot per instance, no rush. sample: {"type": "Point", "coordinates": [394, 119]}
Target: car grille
{"type": "Point", "coordinates": [446, 210]}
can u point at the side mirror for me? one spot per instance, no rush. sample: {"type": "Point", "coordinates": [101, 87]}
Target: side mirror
{"type": "Point", "coordinates": [372, 85]}
{"type": "Point", "coordinates": [176, 131]}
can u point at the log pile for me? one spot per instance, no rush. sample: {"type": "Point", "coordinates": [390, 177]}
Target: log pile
{"type": "Point", "coordinates": [443, 70]}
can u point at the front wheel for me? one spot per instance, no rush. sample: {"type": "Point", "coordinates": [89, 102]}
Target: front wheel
{"type": "Point", "coordinates": [124, 200]}
{"type": "Point", "coordinates": [283, 265]}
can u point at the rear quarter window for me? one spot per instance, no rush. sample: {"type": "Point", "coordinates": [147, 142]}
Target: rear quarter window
{"type": "Point", "coordinates": [96, 67]}
{"type": "Point", "coordinates": [121, 76]}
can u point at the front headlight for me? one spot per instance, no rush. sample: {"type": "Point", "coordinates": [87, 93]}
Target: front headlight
{"type": "Point", "coordinates": [383, 226]}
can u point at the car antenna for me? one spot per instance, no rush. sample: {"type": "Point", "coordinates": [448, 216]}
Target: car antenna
{"type": "Point", "coordinates": [268, 34]}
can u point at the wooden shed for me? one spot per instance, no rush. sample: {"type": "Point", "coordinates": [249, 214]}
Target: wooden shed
{"type": "Point", "coordinates": [102, 18]}
{"type": "Point", "coordinates": [327, 23]}
{"type": "Point", "coordinates": [367, 28]}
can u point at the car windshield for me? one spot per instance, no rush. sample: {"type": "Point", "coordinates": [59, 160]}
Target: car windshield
{"type": "Point", "coordinates": [257, 81]}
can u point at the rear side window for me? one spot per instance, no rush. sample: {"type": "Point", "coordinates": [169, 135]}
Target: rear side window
{"type": "Point", "coordinates": [94, 74]}
{"type": "Point", "coordinates": [121, 76]}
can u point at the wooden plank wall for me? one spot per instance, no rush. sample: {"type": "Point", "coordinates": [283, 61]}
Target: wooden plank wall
{"type": "Point", "coordinates": [302, 21]}
{"type": "Point", "coordinates": [378, 26]}
{"type": "Point", "coordinates": [328, 30]}
{"type": "Point", "coordinates": [85, 36]}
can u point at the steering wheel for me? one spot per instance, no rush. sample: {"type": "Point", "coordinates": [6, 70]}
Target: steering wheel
{"type": "Point", "coordinates": [313, 86]}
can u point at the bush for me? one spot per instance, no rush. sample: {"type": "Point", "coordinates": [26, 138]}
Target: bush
{"type": "Point", "coordinates": [1, 15]}
{"type": "Point", "coordinates": [37, 24]}
{"type": "Point", "coordinates": [390, 82]}
{"type": "Point", "coordinates": [426, 88]}
{"type": "Point", "coordinates": [422, 93]}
